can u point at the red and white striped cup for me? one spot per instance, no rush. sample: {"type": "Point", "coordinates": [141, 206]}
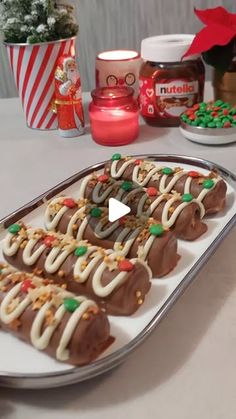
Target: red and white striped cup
{"type": "Point", "coordinates": [33, 66]}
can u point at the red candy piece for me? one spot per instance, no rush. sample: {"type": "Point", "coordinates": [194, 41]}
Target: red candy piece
{"type": "Point", "coordinates": [225, 112]}
{"type": "Point", "coordinates": [122, 221]}
{"type": "Point", "coordinates": [103, 178]}
{"type": "Point", "coordinates": [234, 117]}
{"type": "Point", "coordinates": [69, 202]}
{"type": "Point", "coordinates": [125, 265]}
{"type": "Point", "coordinates": [151, 191]}
{"type": "Point", "coordinates": [138, 162]}
{"type": "Point", "coordinates": [196, 106]}
{"type": "Point", "coordinates": [227, 124]}
{"type": "Point", "coordinates": [192, 117]}
{"type": "Point", "coordinates": [48, 241]}
{"type": "Point", "coordinates": [192, 173]}
{"type": "Point", "coordinates": [26, 285]}
{"type": "Point", "coordinates": [214, 114]}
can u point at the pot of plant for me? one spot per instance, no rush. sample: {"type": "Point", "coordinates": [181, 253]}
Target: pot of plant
{"type": "Point", "coordinates": [217, 44]}
{"type": "Point", "coordinates": [36, 34]}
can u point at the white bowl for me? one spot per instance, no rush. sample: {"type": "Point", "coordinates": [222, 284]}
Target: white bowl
{"type": "Point", "coordinates": [209, 136]}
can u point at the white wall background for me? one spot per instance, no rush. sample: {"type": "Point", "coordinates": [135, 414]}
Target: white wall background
{"type": "Point", "coordinates": [113, 24]}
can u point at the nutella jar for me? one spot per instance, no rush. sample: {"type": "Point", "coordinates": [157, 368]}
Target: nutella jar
{"type": "Point", "coordinates": [168, 84]}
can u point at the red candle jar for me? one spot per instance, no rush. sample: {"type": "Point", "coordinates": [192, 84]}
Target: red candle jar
{"type": "Point", "coordinates": [114, 116]}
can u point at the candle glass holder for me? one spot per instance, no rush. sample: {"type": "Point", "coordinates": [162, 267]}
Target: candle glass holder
{"type": "Point", "coordinates": [114, 116]}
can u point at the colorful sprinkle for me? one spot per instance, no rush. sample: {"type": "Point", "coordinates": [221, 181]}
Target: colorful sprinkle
{"type": "Point", "coordinates": [122, 221]}
{"type": "Point", "coordinates": [69, 202]}
{"type": "Point", "coordinates": [80, 251]}
{"type": "Point", "coordinates": [125, 265]}
{"type": "Point", "coordinates": [167, 171]}
{"type": "Point", "coordinates": [210, 115]}
{"type": "Point", "coordinates": [208, 183]}
{"type": "Point", "coordinates": [127, 186]}
{"type": "Point", "coordinates": [156, 230]}
{"type": "Point", "coordinates": [187, 197]}
{"type": "Point", "coordinates": [71, 304]}
{"type": "Point", "coordinates": [96, 212]}
{"type": "Point", "coordinates": [103, 178]}
{"type": "Point", "coordinates": [48, 241]}
{"type": "Point", "coordinates": [151, 191]}
{"type": "Point", "coordinates": [193, 174]}
{"type": "Point", "coordinates": [14, 228]}
{"type": "Point", "coordinates": [26, 285]}
{"type": "Point", "coordinates": [116, 156]}
{"type": "Point", "coordinates": [137, 162]}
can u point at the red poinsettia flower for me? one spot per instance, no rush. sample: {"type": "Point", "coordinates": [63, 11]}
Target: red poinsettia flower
{"type": "Point", "coordinates": [220, 30]}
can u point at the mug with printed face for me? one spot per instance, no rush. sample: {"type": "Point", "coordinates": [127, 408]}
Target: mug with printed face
{"type": "Point", "coordinates": [118, 68]}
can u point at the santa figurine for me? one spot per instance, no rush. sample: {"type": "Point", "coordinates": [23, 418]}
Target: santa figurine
{"type": "Point", "coordinates": [68, 98]}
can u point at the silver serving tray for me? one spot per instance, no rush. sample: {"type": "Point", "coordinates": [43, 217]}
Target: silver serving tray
{"type": "Point", "coordinates": [102, 365]}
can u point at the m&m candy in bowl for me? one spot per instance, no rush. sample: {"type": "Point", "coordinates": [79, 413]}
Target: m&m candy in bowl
{"type": "Point", "coordinates": [210, 123]}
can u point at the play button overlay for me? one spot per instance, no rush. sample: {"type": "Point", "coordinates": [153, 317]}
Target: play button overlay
{"type": "Point", "coordinates": [117, 210]}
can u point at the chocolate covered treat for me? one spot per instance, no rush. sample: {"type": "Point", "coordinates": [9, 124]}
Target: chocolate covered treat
{"type": "Point", "coordinates": [67, 327]}
{"type": "Point", "coordinates": [131, 236]}
{"type": "Point", "coordinates": [210, 189]}
{"type": "Point", "coordinates": [117, 284]}
{"type": "Point", "coordinates": [181, 213]}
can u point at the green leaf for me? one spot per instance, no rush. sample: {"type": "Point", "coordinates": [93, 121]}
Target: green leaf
{"type": "Point", "coordinates": [220, 57]}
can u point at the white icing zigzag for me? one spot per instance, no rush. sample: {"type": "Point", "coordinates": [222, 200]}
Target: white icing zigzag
{"type": "Point", "coordinates": [99, 196]}
{"type": "Point", "coordinates": [59, 253]}
{"type": "Point", "coordinates": [38, 339]}
{"type": "Point", "coordinates": [124, 240]}
{"type": "Point", "coordinates": [152, 171]}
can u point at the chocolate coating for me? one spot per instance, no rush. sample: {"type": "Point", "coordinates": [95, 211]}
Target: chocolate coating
{"type": "Point", "coordinates": [162, 257]}
{"type": "Point", "coordinates": [213, 202]}
{"type": "Point", "coordinates": [90, 338]}
{"type": "Point", "coordinates": [188, 225]}
{"type": "Point", "coordinates": [122, 301]}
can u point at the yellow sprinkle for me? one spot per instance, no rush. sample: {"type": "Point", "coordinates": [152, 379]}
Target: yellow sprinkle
{"type": "Point", "coordinates": [138, 294]}
{"type": "Point", "coordinates": [61, 274]}
{"type": "Point", "coordinates": [140, 301]}
{"type": "Point", "coordinates": [85, 316]}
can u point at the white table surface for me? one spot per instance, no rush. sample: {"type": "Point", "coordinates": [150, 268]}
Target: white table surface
{"type": "Point", "coordinates": [186, 369]}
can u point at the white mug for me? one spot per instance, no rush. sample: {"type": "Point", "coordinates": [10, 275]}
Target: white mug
{"type": "Point", "coordinates": [118, 68]}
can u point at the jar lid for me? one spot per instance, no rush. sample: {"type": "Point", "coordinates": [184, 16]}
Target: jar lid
{"type": "Point", "coordinates": [166, 48]}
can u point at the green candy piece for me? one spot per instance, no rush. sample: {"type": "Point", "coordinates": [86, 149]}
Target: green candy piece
{"type": "Point", "coordinates": [218, 103]}
{"type": "Point", "coordinates": [224, 120]}
{"type": "Point", "coordinates": [202, 125]}
{"type": "Point", "coordinates": [14, 228]}
{"type": "Point", "coordinates": [71, 304]}
{"type": "Point", "coordinates": [187, 197]}
{"type": "Point", "coordinates": [116, 156]}
{"type": "Point", "coordinates": [216, 119]}
{"type": "Point", "coordinates": [194, 123]}
{"type": "Point", "coordinates": [208, 183]}
{"type": "Point", "coordinates": [233, 111]}
{"type": "Point", "coordinates": [219, 124]}
{"type": "Point", "coordinates": [226, 106]}
{"type": "Point", "coordinates": [167, 171]}
{"type": "Point", "coordinates": [156, 230]}
{"type": "Point", "coordinates": [211, 125]}
{"type": "Point", "coordinates": [127, 186]}
{"type": "Point", "coordinates": [96, 212]}
{"type": "Point", "coordinates": [81, 250]}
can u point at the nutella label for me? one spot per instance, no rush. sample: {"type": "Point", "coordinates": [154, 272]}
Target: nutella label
{"type": "Point", "coordinates": [167, 98]}
{"type": "Point", "coordinates": [177, 88]}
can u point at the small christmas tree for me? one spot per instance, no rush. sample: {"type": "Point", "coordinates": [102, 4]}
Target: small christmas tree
{"type": "Point", "coordinates": [35, 21]}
